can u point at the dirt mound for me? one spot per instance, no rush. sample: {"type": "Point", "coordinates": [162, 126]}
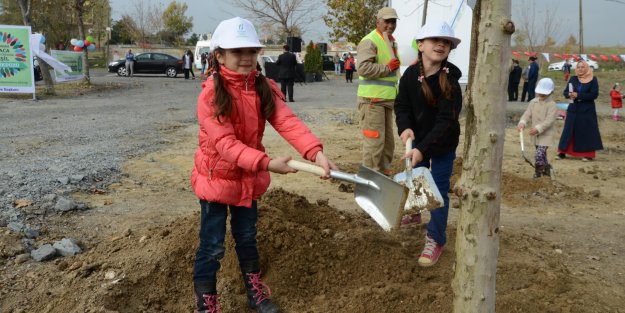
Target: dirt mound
{"type": "Point", "coordinates": [315, 259]}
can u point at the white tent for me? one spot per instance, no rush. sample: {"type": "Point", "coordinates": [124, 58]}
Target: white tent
{"type": "Point", "coordinates": [457, 13]}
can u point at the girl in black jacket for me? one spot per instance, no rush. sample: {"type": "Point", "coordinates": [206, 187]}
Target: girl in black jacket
{"type": "Point", "coordinates": [427, 109]}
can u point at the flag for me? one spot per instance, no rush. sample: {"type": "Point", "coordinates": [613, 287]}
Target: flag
{"type": "Point", "coordinates": [546, 55]}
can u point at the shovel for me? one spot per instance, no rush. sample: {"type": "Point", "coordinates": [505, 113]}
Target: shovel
{"type": "Point", "coordinates": [379, 196]}
{"type": "Point", "coordinates": [423, 194]}
{"type": "Point", "coordinates": [523, 149]}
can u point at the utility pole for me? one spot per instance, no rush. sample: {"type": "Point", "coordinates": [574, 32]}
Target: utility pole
{"type": "Point", "coordinates": [425, 11]}
{"type": "Point", "coordinates": [581, 29]}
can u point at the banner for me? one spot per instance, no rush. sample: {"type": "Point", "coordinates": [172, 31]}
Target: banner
{"type": "Point", "coordinates": [16, 60]}
{"type": "Point", "coordinates": [71, 59]}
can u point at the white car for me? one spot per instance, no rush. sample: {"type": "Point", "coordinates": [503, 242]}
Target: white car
{"type": "Point", "coordinates": [558, 65]}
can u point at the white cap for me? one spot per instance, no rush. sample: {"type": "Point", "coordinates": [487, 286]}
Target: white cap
{"type": "Point", "coordinates": [545, 86]}
{"type": "Point", "coordinates": [235, 33]}
{"type": "Point", "coordinates": [438, 29]}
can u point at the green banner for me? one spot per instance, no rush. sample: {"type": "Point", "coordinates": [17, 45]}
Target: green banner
{"type": "Point", "coordinates": [71, 59]}
{"type": "Point", "coordinates": [16, 62]}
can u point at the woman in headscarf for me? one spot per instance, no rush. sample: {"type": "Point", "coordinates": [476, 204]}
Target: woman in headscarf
{"type": "Point", "coordinates": [580, 136]}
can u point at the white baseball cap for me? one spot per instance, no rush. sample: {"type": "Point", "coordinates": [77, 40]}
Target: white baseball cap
{"type": "Point", "coordinates": [438, 29]}
{"type": "Point", "coordinates": [545, 86]}
{"type": "Point", "coordinates": [235, 33]}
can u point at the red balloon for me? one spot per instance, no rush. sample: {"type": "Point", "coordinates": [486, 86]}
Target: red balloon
{"type": "Point", "coordinates": [77, 49]}
{"type": "Point", "coordinates": [557, 55]}
{"type": "Point", "coordinates": [603, 57]}
{"type": "Point", "coordinates": [615, 58]}
{"type": "Point", "coordinates": [87, 43]}
{"type": "Point", "coordinates": [575, 57]}
{"type": "Point", "coordinates": [594, 57]}
{"type": "Point", "coordinates": [527, 53]}
{"type": "Point", "coordinates": [516, 53]}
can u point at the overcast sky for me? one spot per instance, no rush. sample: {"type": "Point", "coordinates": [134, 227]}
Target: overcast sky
{"type": "Point", "coordinates": [603, 19]}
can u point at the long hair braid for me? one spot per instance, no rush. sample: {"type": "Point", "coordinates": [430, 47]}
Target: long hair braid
{"type": "Point", "coordinates": [425, 87]}
{"type": "Point", "coordinates": [265, 93]}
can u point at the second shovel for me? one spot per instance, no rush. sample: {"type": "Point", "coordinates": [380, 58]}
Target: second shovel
{"type": "Point", "coordinates": [423, 194]}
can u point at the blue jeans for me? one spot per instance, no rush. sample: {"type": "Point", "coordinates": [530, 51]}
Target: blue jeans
{"type": "Point", "coordinates": [213, 232]}
{"type": "Point", "coordinates": [337, 68]}
{"type": "Point", "coordinates": [441, 167]}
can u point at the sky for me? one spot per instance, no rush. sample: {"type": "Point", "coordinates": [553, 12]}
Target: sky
{"type": "Point", "coordinates": [604, 24]}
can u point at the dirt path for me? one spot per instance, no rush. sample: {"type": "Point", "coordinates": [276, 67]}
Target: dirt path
{"type": "Point", "coordinates": [561, 242]}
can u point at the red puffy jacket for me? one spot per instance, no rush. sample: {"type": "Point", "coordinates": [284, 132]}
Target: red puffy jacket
{"type": "Point", "coordinates": [230, 162]}
{"type": "Point", "coordinates": [617, 99]}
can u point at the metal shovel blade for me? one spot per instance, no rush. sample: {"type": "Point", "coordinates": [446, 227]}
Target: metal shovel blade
{"type": "Point", "coordinates": [381, 197]}
{"type": "Point", "coordinates": [424, 195]}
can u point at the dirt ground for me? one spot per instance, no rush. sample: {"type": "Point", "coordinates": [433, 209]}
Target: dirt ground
{"type": "Point", "coordinates": [561, 244]}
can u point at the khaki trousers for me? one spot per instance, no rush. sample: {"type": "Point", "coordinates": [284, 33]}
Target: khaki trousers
{"type": "Point", "coordinates": [376, 121]}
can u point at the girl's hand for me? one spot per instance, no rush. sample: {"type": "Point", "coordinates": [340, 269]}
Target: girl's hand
{"type": "Point", "coordinates": [521, 127]}
{"type": "Point", "coordinates": [407, 133]}
{"type": "Point", "coordinates": [278, 165]}
{"type": "Point", "coordinates": [533, 131]}
{"type": "Point", "coordinates": [415, 156]}
{"type": "Point", "coordinates": [323, 162]}
{"type": "Point", "coordinates": [572, 95]}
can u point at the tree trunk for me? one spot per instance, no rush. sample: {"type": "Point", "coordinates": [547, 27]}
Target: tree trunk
{"type": "Point", "coordinates": [81, 33]}
{"type": "Point", "coordinates": [26, 8]}
{"type": "Point", "coordinates": [479, 188]}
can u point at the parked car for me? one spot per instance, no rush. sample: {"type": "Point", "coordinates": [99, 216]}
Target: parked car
{"type": "Point", "coordinates": [150, 63]}
{"type": "Point", "coordinates": [558, 65]}
{"type": "Point", "coordinates": [328, 64]}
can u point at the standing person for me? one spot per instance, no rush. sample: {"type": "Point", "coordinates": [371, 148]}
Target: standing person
{"type": "Point", "coordinates": [580, 136]}
{"type": "Point", "coordinates": [566, 68]}
{"type": "Point", "coordinates": [130, 63]}
{"type": "Point", "coordinates": [617, 100]}
{"type": "Point", "coordinates": [524, 75]}
{"type": "Point", "coordinates": [203, 62]}
{"type": "Point", "coordinates": [377, 89]}
{"type": "Point", "coordinates": [513, 81]}
{"type": "Point", "coordinates": [532, 78]}
{"type": "Point", "coordinates": [427, 109]}
{"type": "Point", "coordinates": [231, 167]}
{"type": "Point", "coordinates": [350, 65]}
{"type": "Point", "coordinates": [187, 64]}
{"type": "Point", "coordinates": [287, 63]}
{"type": "Point", "coordinates": [337, 63]}
{"type": "Point", "coordinates": [541, 115]}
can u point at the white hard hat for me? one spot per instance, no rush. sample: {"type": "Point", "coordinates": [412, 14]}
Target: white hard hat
{"type": "Point", "coordinates": [235, 33]}
{"type": "Point", "coordinates": [545, 86]}
{"type": "Point", "coordinates": [438, 29]}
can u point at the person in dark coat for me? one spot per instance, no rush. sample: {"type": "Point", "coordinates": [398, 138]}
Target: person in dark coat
{"type": "Point", "coordinates": [513, 81]}
{"type": "Point", "coordinates": [580, 136]}
{"type": "Point", "coordinates": [287, 63]}
{"type": "Point", "coordinates": [532, 77]}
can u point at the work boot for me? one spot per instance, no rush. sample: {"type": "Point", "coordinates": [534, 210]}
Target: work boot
{"type": "Point", "coordinates": [538, 171]}
{"type": "Point", "coordinates": [257, 291]}
{"type": "Point", "coordinates": [206, 298]}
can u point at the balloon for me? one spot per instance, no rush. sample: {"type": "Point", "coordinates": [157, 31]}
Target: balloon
{"type": "Point", "coordinates": [89, 38]}
{"type": "Point", "coordinates": [526, 53]}
{"type": "Point", "coordinates": [74, 41]}
{"type": "Point", "coordinates": [615, 58]}
{"type": "Point", "coordinates": [594, 57]}
{"type": "Point", "coordinates": [80, 43]}
{"type": "Point", "coordinates": [86, 42]}
{"type": "Point", "coordinates": [557, 55]}
{"type": "Point", "coordinates": [77, 48]}
{"type": "Point", "coordinates": [603, 57]}
{"type": "Point", "coordinates": [91, 47]}
{"type": "Point", "coordinates": [43, 39]}
{"type": "Point", "coordinates": [516, 53]}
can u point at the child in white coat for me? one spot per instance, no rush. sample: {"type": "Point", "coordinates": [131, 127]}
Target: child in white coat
{"type": "Point", "coordinates": [541, 115]}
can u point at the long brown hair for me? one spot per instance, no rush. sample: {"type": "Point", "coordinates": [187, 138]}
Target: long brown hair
{"type": "Point", "coordinates": [443, 81]}
{"type": "Point", "coordinates": [223, 99]}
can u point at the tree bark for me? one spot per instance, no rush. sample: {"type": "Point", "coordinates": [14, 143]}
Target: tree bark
{"type": "Point", "coordinates": [479, 188]}
{"type": "Point", "coordinates": [26, 8]}
{"type": "Point", "coordinates": [81, 33]}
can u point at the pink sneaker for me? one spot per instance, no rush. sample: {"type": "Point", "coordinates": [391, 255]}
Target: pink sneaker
{"type": "Point", "coordinates": [410, 219]}
{"type": "Point", "coordinates": [431, 252]}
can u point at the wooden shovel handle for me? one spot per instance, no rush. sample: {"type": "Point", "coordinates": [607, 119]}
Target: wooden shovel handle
{"type": "Point", "coordinates": [408, 149]}
{"type": "Point", "coordinates": [306, 167]}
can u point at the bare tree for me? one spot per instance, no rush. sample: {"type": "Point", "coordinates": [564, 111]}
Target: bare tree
{"type": "Point", "coordinates": [155, 19]}
{"type": "Point", "coordinates": [479, 188]}
{"type": "Point", "coordinates": [79, 6]}
{"type": "Point", "coordinates": [141, 16]}
{"type": "Point", "coordinates": [27, 10]}
{"type": "Point", "coordinates": [539, 26]}
{"type": "Point", "coordinates": [291, 15]}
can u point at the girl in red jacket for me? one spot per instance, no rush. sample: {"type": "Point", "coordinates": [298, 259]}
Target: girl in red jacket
{"type": "Point", "coordinates": [617, 100]}
{"type": "Point", "coordinates": [231, 167]}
